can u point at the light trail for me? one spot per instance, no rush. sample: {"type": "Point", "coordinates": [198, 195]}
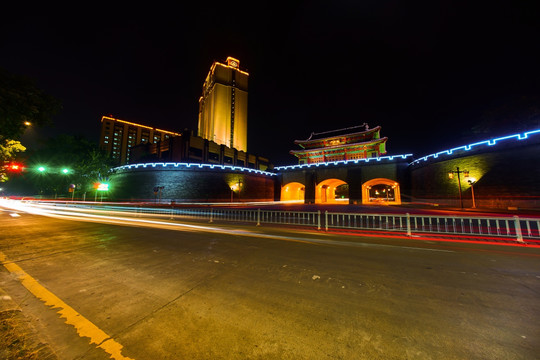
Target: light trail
{"type": "Point", "coordinates": [76, 215]}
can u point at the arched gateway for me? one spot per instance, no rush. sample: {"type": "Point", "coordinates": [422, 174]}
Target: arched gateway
{"type": "Point", "coordinates": [381, 191]}
{"type": "Point", "coordinates": [293, 191]}
{"type": "Point", "coordinates": [331, 191]}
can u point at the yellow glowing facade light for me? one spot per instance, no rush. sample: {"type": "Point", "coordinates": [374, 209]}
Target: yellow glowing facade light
{"type": "Point", "coordinates": [139, 125]}
{"type": "Point", "coordinates": [232, 63]}
{"type": "Point", "coordinates": [223, 105]}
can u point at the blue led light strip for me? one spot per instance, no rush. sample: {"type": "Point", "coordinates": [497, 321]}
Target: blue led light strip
{"type": "Point", "coordinates": [491, 142]}
{"type": "Point", "coordinates": [343, 162]}
{"type": "Point", "coordinates": [194, 165]}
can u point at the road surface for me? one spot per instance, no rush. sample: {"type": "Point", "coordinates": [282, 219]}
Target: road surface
{"type": "Point", "coordinates": [225, 291]}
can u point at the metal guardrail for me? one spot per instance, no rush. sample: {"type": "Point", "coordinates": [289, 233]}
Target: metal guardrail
{"type": "Point", "coordinates": [519, 229]}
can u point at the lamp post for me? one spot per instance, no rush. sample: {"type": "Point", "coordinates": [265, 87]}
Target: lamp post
{"type": "Point", "coordinates": [451, 176]}
{"type": "Point", "coordinates": [472, 182]}
{"type": "Point", "coordinates": [235, 187]}
{"type": "Point", "coordinates": [72, 188]}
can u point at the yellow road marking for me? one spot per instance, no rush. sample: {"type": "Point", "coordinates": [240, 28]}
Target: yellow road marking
{"type": "Point", "coordinates": [84, 327]}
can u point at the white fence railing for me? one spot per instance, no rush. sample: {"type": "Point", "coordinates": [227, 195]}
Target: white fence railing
{"type": "Point", "coordinates": [520, 229]}
{"type": "Point", "coordinates": [523, 230]}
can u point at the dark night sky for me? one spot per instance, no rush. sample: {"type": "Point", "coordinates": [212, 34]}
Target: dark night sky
{"type": "Point", "coordinates": [426, 73]}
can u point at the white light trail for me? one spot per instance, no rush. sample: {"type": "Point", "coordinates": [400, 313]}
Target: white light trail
{"type": "Point", "coordinates": [78, 214]}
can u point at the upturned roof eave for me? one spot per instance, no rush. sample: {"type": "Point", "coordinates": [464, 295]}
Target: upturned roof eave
{"type": "Point", "coordinates": [376, 141]}
{"type": "Point", "coordinates": [298, 142]}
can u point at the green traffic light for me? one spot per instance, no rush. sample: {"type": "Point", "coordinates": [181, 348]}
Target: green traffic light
{"type": "Point", "coordinates": [65, 171]}
{"type": "Point", "coordinates": [41, 169]}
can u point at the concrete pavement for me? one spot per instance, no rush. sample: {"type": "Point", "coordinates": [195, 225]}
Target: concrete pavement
{"type": "Point", "coordinates": [294, 295]}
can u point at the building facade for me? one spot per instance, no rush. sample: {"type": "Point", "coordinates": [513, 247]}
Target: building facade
{"type": "Point", "coordinates": [223, 105]}
{"type": "Point", "coordinates": [341, 145]}
{"type": "Point", "coordinates": [117, 137]}
{"type": "Point", "coordinates": [188, 148]}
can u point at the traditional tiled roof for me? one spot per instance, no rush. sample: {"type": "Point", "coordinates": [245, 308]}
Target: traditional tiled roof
{"type": "Point", "coordinates": [339, 137]}
{"type": "Point", "coordinates": [373, 142]}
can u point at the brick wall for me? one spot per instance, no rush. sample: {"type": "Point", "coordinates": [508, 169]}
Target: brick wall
{"type": "Point", "coordinates": [190, 185]}
{"type": "Point", "coordinates": [505, 177]}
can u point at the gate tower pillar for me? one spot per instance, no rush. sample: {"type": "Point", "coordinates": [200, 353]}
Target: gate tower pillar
{"type": "Point", "coordinates": [354, 179]}
{"type": "Point", "coordinates": [311, 182]}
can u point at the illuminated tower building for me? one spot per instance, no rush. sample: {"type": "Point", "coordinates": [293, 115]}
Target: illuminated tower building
{"type": "Point", "coordinates": [223, 105]}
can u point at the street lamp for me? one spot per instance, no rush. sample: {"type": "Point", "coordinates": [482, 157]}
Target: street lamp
{"type": "Point", "coordinates": [471, 182]}
{"type": "Point", "coordinates": [235, 187]}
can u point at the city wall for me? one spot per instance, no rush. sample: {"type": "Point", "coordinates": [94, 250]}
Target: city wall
{"type": "Point", "coordinates": [195, 183]}
{"type": "Point", "coordinates": [500, 176]}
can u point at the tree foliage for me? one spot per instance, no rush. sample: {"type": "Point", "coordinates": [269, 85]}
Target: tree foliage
{"type": "Point", "coordinates": [8, 150]}
{"type": "Point", "coordinates": [84, 161]}
{"type": "Point", "coordinates": [22, 101]}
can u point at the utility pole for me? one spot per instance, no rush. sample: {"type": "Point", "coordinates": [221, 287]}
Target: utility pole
{"type": "Point", "coordinates": [451, 176]}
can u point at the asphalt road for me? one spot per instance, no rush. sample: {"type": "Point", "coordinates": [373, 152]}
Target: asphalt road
{"type": "Point", "coordinates": [246, 292]}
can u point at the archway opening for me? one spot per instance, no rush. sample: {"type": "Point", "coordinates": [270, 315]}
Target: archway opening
{"type": "Point", "coordinates": [332, 191]}
{"type": "Point", "coordinates": [293, 191]}
{"type": "Point", "coordinates": [381, 191]}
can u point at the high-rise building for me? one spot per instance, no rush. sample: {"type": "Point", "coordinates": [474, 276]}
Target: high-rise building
{"type": "Point", "coordinates": [119, 136]}
{"type": "Point", "coordinates": [223, 105]}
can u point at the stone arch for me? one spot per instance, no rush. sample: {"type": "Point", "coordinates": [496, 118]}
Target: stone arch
{"type": "Point", "coordinates": [381, 191]}
{"type": "Point", "coordinates": [293, 191]}
{"type": "Point", "coordinates": [325, 191]}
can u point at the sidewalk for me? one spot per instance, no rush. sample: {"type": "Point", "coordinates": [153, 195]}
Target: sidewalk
{"type": "Point", "coordinates": [19, 340]}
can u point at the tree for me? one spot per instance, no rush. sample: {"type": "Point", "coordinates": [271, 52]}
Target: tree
{"type": "Point", "coordinates": [84, 161]}
{"type": "Point", "coordinates": [8, 149]}
{"type": "Point", "coordinates": [21, 102]}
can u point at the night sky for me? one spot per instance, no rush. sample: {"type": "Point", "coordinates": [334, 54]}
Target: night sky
{"type": "Point", "coordinates": [428, 74]}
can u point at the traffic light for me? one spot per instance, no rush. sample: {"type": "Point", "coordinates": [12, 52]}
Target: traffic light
{"type": "Point", "coordinates": [15, 167]}
{"type": "Point", "coordinates": [101, 186]}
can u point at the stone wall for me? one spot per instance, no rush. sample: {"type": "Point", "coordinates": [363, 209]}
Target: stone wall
{"type": "Point", "coordinates": [506, 176]}
{"type": "Point", "coordinates": [191, 184]}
